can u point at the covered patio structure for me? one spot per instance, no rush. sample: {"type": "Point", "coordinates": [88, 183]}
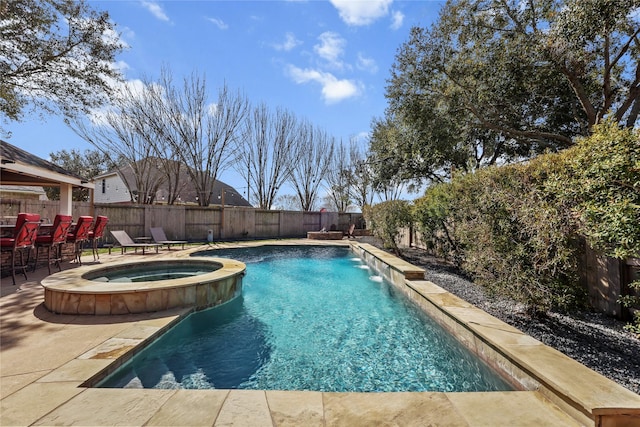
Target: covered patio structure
{"type": "Point", "coordinates": [18, 167]}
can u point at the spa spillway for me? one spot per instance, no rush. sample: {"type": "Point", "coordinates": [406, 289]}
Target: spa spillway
{"type": "Point", "coordinates": [129, 287]}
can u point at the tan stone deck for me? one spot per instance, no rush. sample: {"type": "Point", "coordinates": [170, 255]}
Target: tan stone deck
{"type": "Point", "coordinates": [45, 359]}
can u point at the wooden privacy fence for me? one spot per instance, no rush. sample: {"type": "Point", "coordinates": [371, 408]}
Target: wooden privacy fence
{"type": "Point", "coordinates": [193, 223]}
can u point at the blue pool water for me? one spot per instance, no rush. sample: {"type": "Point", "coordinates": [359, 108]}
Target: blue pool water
{"type": "Point", "coordinates": [309, 318]}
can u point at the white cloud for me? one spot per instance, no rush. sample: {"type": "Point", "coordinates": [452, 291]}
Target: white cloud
{"type": "Point", "coordinates": [367, 64]}
{"type": "Point", "coordinates": [135, 87]}
{"type": "Point", "coordinates": [156, 10]}
{"type": "Point", "coordinates": [362, 137]}
{"type": "Point", "coordinates": [122, 66]}
{"type": "Point", "coordinates": [126, 34]}
{"type": "Point", "coordinates": [333, 89]}
{"type": "Point", "coordinates": [289, 43]}
{"type": "Point", "coordinates": [218, 23]}
{"type": "Point", "coordinates": [110, 36]}
{"type": "Point", "coordinates": [397, 18]}
{"type": "Point", "coordinates": [361, 12]}
{"type": "Point", "coordinates": [331, 48]}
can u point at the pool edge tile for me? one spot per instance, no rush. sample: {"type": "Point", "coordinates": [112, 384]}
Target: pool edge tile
{"type": "Point", "coordinates": [401, 408]}
{"type": "Point", "coordinates": [245, 408]}
{"type": "Point", "coordinates": [183, 408]}
{"type": "Point", "coordinates": [296, 408]}
{"type": "Point", "coordinates": [521, 408]}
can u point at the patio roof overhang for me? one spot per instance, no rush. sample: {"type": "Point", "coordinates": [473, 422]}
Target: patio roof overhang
{"type": "Point", "coordinates": [19, 174]}
{"type": "Point", "coordinates": [17, 167]}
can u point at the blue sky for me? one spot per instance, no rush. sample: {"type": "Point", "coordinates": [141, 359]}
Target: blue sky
{"type": "Point", "coordinates": [326, 61]}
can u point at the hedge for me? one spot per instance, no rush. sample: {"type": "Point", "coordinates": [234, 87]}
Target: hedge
{"type": "Point", "coordinates": [517, 229]}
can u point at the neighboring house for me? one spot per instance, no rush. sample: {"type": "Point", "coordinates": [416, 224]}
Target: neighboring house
{"type": "Point", "coordinates": [11, 197]}
{"type": "Point", "coordinates": [110, 187]}
{"type": "Point", "coordinates": [22, 192]}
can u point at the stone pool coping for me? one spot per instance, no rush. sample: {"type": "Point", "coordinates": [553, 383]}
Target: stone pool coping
{"type": "Point", "coordinates": [586, 395]}
{"type": "Point", "coordinates": [45, 358]}
{"type": "Point", "coordinates": [69, 292]}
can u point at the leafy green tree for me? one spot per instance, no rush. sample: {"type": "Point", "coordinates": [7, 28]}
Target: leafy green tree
{"type": "Point", "coordinates": [57, 55]}
{"type": "Point", "coordinates": [494, 81]}
{"type": "Point", "coordinates": [88, 164]}
{"type": "Point", "coordinates": [398, 151]}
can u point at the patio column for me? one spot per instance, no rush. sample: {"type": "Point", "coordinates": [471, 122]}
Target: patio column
{"type": "Point", "coordinates": [66, 199]}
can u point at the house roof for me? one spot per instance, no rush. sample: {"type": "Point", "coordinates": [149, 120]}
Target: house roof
{"type": "Point", "coordinates": [27, 189]}
{"type": "Point", "coordinates": [18, 167]}
{"type": "Point", "coordinates": [187, 191]}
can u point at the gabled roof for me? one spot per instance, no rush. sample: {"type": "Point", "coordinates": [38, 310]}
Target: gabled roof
{"type": "Point", "coordinates": [187, 190]}
{"type": "Point", "coordinates": [27, 189]}
{"type": "Point", "coordinates": [18, 167]}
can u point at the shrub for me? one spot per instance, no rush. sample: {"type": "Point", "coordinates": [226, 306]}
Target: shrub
{"type": "Point", "coordinates": [515, 239]}
{"type": "Point", "coordinates": [432, 218]}
{"type": "Point", "coordinates": [386, 221]}
{"type": "Point", "coordinates": [602, 181]}
{"type": "Point", "coordinates": [516, 229]}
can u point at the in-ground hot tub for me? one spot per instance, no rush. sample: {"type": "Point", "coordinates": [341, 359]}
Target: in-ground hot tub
{"type": "Point", "coordinates": [143, 286]}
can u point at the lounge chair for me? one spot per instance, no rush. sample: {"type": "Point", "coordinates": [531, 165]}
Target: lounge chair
{"type": "Point", "coordinates": [124, 241]}
{"type": "Point", "coordinates": [159, 237]}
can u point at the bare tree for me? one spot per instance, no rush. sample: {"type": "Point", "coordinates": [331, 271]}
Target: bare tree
{"type": "Point", "coordinates": [361, 189]}
{"type": "Point", "coordinates": [339, 179]}
{"type": "Point", "coordinates": [287, 202]}
{"type": "Point", "coordinates": [151, 117]}
{"type": "Point", "coordinates": [204, 135]}
{"type": "Point", "coordinates": [311, 167]}
{"type": "Point", "coordinates": [268, 150]}
{"type": "Point", "coordinates": [116, 133]}
{"type": "Point", "coordinates": [391, 191]}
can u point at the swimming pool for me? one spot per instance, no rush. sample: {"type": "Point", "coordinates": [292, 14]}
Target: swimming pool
{"type": "Point", "coordinates": [310, 318]}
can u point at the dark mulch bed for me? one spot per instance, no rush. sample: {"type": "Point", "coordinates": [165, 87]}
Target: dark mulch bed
{"type": "Point", "coordinates": [593, 339]}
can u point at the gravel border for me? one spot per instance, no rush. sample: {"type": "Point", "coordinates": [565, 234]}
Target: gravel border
{"type": "Point", "coordinates": [593, 339]}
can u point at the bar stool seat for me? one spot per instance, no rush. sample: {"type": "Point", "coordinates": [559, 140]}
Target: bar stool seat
{"type": "Point", "coordinates": [80, 235]}
{"type": "Point", "coordinates": [53, 242]}
{"type": "Point", "coordinates": [97, 233]}
{"type": "Point", "coordinates": [23, 239]}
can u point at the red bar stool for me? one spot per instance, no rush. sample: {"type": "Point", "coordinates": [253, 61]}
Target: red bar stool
{"type": "Point", "coordinates": [97, 233]}
{"type": "Point", "coordinates": [80, 235]}
{"type": "Point", "coordinates": [23, 240]}
{"type": "Point", "coordinates": [53, 242]}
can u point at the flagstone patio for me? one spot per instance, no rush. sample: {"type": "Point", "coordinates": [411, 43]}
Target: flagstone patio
{"type": "Point", "coordinates": [46, 358]}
